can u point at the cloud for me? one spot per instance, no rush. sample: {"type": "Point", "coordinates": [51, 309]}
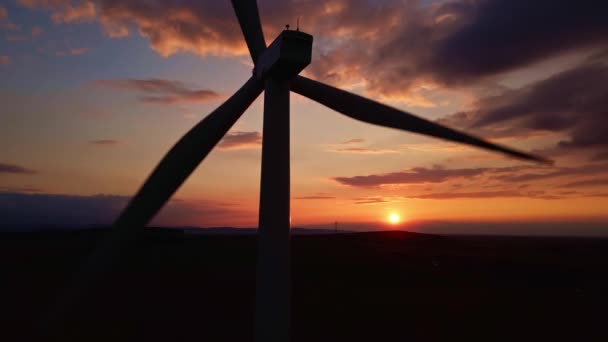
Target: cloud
{"type": "Point", "coordinates": [201, 27]}
{"type": "Point", "coordinates": [33, 210]}
{"type": "Point", "coordinates": [589, 182]}
{"type": "Point", "coordinates": [73, 52]}
{"type": "Point", "coordinates": [416, 175]}
{"type": "Point", "coordinates": [314, 197]}
{"type": "Point", "coordinates": [552, 173]}
{"type": "Point", "coordinates": [502, 180]}
{"type": "Point", "coordinates": [454, 43]}
{"type": "Point", "coordinates": [36, 31]}
{"type": "Point", "coordinates": [371, 200]}
{"type": "Point", "coordinates": [460, 195]}
{"type": "Point", "coordinates": [505, 194]}
{"type": "Point", "coordinates": [65, 11]}
{"type": "Point", "coordinates": [352, 141]}
{"type": "Point", "coordinates": [23, 209]}
{"type": "Point", "coordinates": [339, 148]}
{"type": "Point", "coordinates": [161, 91]}
{"type": "Point", "coordinates": [16, 37]}
{"type": "Point", "coordinates": [83, 12]}
{"type": "Point", "coordinates": [24, 189]}
{"type": "Point", "coordinates": [5, 60]}
{"type": "Point", "coordinates": [5, 23]}
{"type": "Point", "coordinates": [501, 35]}
{"type": "Point", "coordinates": [600, 156]}
{"type": "Point", "coordinates": [395, 49]}
{"type": "Point", "coordinates": [238, 140]}
{"type": "Point", "coordinates": [104, 142]}
{"type": "Point", "coordinates": [363, 150]}
{"type": "Point", "coordinates": [572, 102]}
{"type": "Point", "coordinates": [485, 178]}
{"type": "Point", "coordinates": [79, 51]}
{"type": "Point", "coordinates": [15, 169]}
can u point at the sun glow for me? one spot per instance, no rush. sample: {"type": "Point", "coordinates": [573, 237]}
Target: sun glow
{"type": "Point", "coordinates": [394, 218]}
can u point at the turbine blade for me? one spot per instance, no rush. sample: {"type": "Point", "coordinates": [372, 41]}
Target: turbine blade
{"type": "Point", "coordinates": [186, 155]}
{"type": "Point", "coordinates": [170, 173]}
{"type": "Point", "coordinates": [249, 20]}
{"type": "Point", "coordinates": [372, 112]}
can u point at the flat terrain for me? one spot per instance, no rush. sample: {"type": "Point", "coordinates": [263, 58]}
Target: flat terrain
{"type": "Point", "coordinates": [384, 286]}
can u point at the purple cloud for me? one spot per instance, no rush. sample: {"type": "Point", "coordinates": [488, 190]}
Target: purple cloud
{"type": "Point", "coordinates": [161, 91]}
{"type": "Point", "coordinates": [104, 142]}
{"type": "Point", "coordinates": [15, 169]}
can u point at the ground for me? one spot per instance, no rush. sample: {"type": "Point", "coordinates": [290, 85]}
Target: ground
{"type": "Point", "coordinates": [383, 286]}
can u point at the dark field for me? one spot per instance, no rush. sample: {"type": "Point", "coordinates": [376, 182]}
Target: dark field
{"type": "Point", "coordinates": [386, 286]}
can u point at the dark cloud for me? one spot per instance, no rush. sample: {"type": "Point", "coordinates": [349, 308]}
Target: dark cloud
{"type": "Point", "coordinates": [413, 176]}
{"type": "Point", "coordinates": [161, 91]}
{"type": "Point", "coordinates": [237, 140]}
{"type": "Point", "coordinates": [600, 156]}
{"type": "Point", "coordinates": [503, 181]}
{"type": "Point", "coordinates": [488, 194]}
{"type": "Point", "coordinates": [552, 173]}
{"type": "Point", "coordinates": [395, 47]}
{"type": "Point", "coordinates": [586, 183]}
{"type": "Point", "coordinates": [481, 194]}
{"type": "Point", "coordinates": [501, 35]}
{"type": "Point", "coordinates": [27, 210]}
{"type": "Point", "coordinates": [31, 210]}
{"type": "Point", "coordinates": [573, 102]}
{"type": "Point", "coordinates": [16, 169]}
{"type": "Point", "coordinates": [457, 42]}
{"type": "Point", "coordinates": [104, 142]}
{"type": "Point", "coordinates": [600, 194]}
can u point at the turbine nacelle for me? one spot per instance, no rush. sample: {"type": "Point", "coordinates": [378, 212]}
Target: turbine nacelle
{"type": "Point", "coordinates": [288, 54]}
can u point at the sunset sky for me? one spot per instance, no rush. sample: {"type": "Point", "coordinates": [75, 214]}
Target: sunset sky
{"type": "Point", "coordinates": [94, 93]}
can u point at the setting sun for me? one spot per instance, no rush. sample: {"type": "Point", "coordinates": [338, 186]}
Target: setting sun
{"type": "Point", "coordinates": [394, 218]}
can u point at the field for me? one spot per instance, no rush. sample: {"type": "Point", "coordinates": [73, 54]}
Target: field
{"type": "Point", "coordinates": [382, 286]}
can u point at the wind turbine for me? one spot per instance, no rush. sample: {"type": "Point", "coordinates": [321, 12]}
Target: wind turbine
{"type": "Point", "coordinates": [276, 72]}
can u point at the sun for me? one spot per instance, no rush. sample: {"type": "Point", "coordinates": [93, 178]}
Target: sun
{"type": "Point", "coordinates": [394, 218]}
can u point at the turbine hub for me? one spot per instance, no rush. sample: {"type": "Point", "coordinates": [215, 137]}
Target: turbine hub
{"type": "Point", "coordinates": [288, 54]}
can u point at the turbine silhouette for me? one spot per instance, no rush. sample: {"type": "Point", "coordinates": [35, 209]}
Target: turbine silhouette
{"type": "Point", "coordinates": [276, 72]}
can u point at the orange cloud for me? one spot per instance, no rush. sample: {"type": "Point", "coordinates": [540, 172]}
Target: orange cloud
{"type": "Point", "coordinates": [83, 12]}
{"type": "Point", "coordinates": [5, 60]}
{"type": "Point", "coordinates": [314, 197]}
{"type": "Point", "coordinates": [237, 140]}
{"type": "Point", "coordinates": [393, 50]}
{"type": "Point", "coordinates": [363, 150]}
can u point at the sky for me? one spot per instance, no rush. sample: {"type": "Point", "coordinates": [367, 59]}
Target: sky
{"type": "Point", "coordinates": [94, 93]}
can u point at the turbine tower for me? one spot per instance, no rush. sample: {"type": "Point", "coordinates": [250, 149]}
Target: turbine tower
{"type": "Point", "coordinates": [276, 73]}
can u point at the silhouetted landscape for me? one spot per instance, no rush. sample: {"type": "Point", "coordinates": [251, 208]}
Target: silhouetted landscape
{"type": "Point", "coordinates": [379, 286]}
